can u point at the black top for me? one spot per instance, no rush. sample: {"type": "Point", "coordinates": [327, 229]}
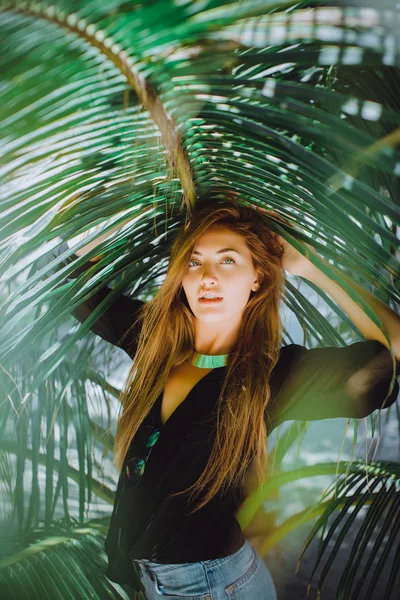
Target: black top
{"type": "Point", "coordinates": [305, 385]}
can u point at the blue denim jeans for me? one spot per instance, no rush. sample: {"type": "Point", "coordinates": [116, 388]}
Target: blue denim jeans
{"type": "Point", "coordinates": [242, 575]}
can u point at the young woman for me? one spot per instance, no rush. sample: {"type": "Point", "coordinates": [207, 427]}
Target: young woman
{"type": "Point", "coordinates": [210, 380]}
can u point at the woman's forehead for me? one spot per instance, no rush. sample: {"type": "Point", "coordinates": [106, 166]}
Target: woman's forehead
{"type": "Point", "coordinates": [217, 233]}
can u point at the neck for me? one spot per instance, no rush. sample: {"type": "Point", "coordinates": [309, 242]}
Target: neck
{"type": "Point", "coordinates": [216, 338]}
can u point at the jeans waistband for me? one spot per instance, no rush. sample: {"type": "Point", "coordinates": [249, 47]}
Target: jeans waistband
{"type": "Point", "coordinates": [162, 567]}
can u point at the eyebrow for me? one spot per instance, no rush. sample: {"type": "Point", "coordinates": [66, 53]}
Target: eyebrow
{"type": "Point", "coordinates": [219, 251]}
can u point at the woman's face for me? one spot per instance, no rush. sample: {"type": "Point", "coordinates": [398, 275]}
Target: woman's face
{"type": "Point", "coordinates": [229, 274]}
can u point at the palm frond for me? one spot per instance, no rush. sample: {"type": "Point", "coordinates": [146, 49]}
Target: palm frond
{"type": "Point", "coordinates": [64, 563]}
{"type": "Point", "coordinates": [121, 110]}
{"type": "Point", "coordinates": [263, 129]}
{"type": "Point", "coordinates": [61, 465]}
{"type": "Point", "coordinates": [371, 491]}
{"type": "Point", "coordinates": [379, 490]}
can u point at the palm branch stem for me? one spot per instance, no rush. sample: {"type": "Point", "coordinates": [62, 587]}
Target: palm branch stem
{"type": "Point", "coordinates": [147, 95]}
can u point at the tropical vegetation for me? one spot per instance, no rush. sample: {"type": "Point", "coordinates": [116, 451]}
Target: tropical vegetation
{"type": "Point", "coordinates": [119, 115]}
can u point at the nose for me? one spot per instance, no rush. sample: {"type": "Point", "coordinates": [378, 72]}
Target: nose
{"type": "Point", "coordinates": [207, 277]}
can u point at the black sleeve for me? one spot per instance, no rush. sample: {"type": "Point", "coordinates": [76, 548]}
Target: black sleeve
{"type": "Point", "coordinates": [324, 383]}
{"type": "Point", "coordinates": [115, 324]}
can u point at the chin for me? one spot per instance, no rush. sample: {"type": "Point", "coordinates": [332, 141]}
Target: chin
{"type": "Point", "coordinates": [211, 318]}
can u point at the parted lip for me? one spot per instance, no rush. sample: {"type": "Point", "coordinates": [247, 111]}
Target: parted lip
{"type": "Point", "coordinates": [209, 292]}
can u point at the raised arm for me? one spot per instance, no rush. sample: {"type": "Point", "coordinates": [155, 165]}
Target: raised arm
{"type": "Point", "coordinates": [115, 324]}
{"type": "Point", "coordinates": [325, 383]}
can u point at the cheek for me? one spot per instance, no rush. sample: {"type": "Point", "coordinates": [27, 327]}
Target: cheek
{"type": "Point", "coordinates": [186, 282]}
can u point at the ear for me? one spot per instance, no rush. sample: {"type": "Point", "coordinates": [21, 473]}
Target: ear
{"type": "Point", "coordinates": [256, 282]}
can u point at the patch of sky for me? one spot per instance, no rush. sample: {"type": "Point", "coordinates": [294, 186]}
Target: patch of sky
{"type": "Point", "coordinates": [278, 34]}
{"type": "Point", "coordinates": [254, 38]}
{"type": "Point", "coordinates": [329, 55]}
{"type": "Point", "coordinates": [355, 220]}
{"type": "Point", "coordinates": [329, 34]}
{"type": "Point", "coordinates": [329, 15]}
{"type": "Point", "coordinates": [390, 41]}
{"type": "Point", "coordinates": [388, 222]}
{"type": "Point", "coordinates": [369, 16]}
{"type": "Point", "coordinates": [371, 111]}
{"type": "Point", "coordinates": [269, 87]}
{"type": "Point", "coordinates": [389, 57]}
{"type": "Point", "coordinates": [352, 55]}
{"type": "Point", "coordinates": [350, 106]}
{"type": "Point", "coordinates": [370, 40]}
{"type": "Point", "coordinates": [350, 37]}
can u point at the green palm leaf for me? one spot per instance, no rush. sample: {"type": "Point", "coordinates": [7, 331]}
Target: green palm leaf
{"type": "Point", "coordinates": [62, 404]}
{"type": "Point", "coordinates": [129, 110]}
{"type": "Point", "coordinates": [381, 519]}
{"type": "Point", "coordinates": [64, 564]}
{"type": "Point", "coordinates": [357, 487]}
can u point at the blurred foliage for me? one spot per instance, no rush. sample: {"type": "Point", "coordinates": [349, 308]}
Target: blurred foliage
{"type": "Point", "coordinates": [125, 113]}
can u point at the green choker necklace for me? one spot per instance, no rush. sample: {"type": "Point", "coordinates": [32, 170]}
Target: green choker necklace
{"type": "Point", "coordinates": [208, 361]}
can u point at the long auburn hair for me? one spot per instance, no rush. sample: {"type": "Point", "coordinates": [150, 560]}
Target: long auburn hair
{"type": "Point", "coordinates": [167, 338]}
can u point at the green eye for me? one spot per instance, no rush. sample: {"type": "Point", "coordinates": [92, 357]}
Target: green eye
{"type": "Point", "coordinates": [193, 260]}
